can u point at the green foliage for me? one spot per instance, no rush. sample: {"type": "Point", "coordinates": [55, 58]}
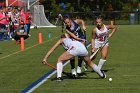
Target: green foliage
{"type": "Point", "coordinates": [2, 0]}
{"type": "Point", "coordinates": [86, 6]}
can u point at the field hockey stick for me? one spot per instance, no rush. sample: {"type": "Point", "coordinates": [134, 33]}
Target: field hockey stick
{"type": "Point", "coordinates": [94, 53]}
{"type": "Point", "coordinates": [98, 49]}
{"type": "Point", "coordinates": [85, 65]}
{"type": "Point", "coordinates": [48, 64]}
{"type": "Point", "coordinates": [53, 67]}
{"type": "Point", "coordinates": [85, 34]}
{"type": "Point", "coordinates": [62, 24]}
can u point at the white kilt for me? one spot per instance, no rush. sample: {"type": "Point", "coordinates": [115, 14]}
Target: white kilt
{"type": "Point", "coordinates": [77, 49]}
{"type": "Point", "coordinates": [98, 43]}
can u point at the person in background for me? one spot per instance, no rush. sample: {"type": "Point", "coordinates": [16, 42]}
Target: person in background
{"type": "Point", "coordinates": [27, 21]}
{"type": "Point", "coordinates": [20, 32]}
{"type": "Point", "coordinates": [3, 23]}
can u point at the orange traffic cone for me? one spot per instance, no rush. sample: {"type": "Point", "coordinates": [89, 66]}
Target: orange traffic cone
{"type": "Point", "coordinates": [22, 44]}
{"type": "Point", "coordinates": [40, 38]}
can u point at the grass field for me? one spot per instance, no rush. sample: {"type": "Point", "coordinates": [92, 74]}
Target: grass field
{"type": "Point", "coordinates": [19, 69]}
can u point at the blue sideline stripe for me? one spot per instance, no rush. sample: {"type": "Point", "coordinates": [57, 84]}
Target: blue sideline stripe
{"type": "Point", "coordinates": [37, 81]}
{"type": "Point", "coordinates": [30, 87]}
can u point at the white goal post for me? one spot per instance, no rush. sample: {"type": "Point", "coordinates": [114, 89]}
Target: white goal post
{"type": "Point", "coordinates": [39, 18]}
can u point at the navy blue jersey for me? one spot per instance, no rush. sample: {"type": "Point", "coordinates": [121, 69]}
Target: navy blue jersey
{"type": "Point", "coordinates": [76, 30]}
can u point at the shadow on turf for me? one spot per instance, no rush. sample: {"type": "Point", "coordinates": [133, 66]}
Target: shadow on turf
{"type": "Point", "coordinates": [105, 70]}
{"type": "Point", "coordinates": [69, 76]}
{"type": "Point", "coordinates": [83, 75]}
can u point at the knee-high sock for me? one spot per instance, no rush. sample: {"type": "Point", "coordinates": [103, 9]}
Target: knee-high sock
{"type": "Point", "coordinates": [97, 70]}
{"type": "Point", "coordinates": [80, 59]}
{"type": "Point", "coordinates": [59, 69]}
{"type": "Point", "coordinates": [101, 63]}
{"type": "Point", "coordinates": [72, 62]}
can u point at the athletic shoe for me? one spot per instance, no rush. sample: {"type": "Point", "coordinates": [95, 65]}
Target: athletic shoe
{"type": "Point", "coordinates": [59, 79]}
{"type": "Point", "coordinates": [73, 72]}
{"type": "Point", "coordinates": [104, 75]}
{"type": "Point", "coordinates": [73, 77]}
{"type": "Point", "coordinates": [29, 35]}
{"type": "Point", "coordinates": [85, 66]}
{"type": "Point", "coordinates": [79, 70]}
{"type": "Point", "coordinates": [79, 74]}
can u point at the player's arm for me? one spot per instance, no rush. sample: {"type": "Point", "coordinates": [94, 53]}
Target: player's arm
{"type": "Point", "coordinates": [93, 39]}
{"type": "Point", "coordinates": [81, 22]}
{"type": "Point", "coordinates": [74, 36]}
{"type": "Point", "coordinates": [113, 28]}
{"type": "Point", "coordinates": [51, 50]}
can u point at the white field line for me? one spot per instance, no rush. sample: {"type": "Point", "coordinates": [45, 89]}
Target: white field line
{"type": "Point", "coordinates": [27, 48]}
{"type": "Point", "coordinates": [40, 83]}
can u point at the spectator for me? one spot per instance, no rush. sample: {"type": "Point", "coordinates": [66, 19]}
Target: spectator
{"type": "Point", "coordinates": [3, 23]}
{"type": "Point", "coordinates": [10, 21]}
{"type": "Point", "coordinates": [27, 21]}
{"type": "Point", "coordinates": [2, 18]}
{"type": "Point", "coordinates": [20, 32]}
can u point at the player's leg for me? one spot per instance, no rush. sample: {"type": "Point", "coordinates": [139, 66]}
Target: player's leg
{"type": "Point", "coordinates": [104, 52]}
{"type": "Point", "coordinates": [94, 67]}
{"type": "Point", "coordinates": [28, 30]}
{"type": "Point", "coordinates": [80, 60]}
{"type": "Point", "coordinates": [26, 27]}
{"type": "Point", "coordinates": [65, 56]}
{"type": "Point", "coordinates": [72, 63]}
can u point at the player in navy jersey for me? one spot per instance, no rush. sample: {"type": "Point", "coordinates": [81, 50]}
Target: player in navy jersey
{"type": "Point", "coordinates": [74, 30]}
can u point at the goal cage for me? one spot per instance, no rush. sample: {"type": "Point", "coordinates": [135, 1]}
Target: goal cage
{"type": "Point", "coordinates": [38, 15]}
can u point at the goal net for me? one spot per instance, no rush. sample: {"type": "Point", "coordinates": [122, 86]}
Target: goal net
{"type": "Point", "coordinates": [39, 17]}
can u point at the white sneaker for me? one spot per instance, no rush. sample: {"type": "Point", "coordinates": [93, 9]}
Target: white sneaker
{"type": "Point", "coordinates": [73, 71]}
{"type": "Point", "coordinates": [29, 35]}
{"type": "Point", "coordinates": [79, 70]}
{"type": "Point", "coordinates": [85, 66]}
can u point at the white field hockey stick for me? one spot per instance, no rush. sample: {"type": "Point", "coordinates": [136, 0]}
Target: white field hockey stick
{"type": "Point", "coordinates": [98, 49]}
{"type": "Point", "coordinates": [84, 64]}
{"type": "Point", "coordinates": [94, 53]}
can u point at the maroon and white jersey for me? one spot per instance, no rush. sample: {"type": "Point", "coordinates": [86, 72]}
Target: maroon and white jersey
{"type": "Point", "coordinates": [101, 37]}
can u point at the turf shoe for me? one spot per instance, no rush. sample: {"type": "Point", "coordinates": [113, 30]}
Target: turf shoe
{"type": "Point", "coordinates": [59, 79]}
{"type": "Point", "coordinates": [73, 71]}
{"type": "Point", "coordinates": [85, 66]}
{"type": "Point", "coordinates": [79, 70]}
{"type": "Point", "coordinates": [104, 75]}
